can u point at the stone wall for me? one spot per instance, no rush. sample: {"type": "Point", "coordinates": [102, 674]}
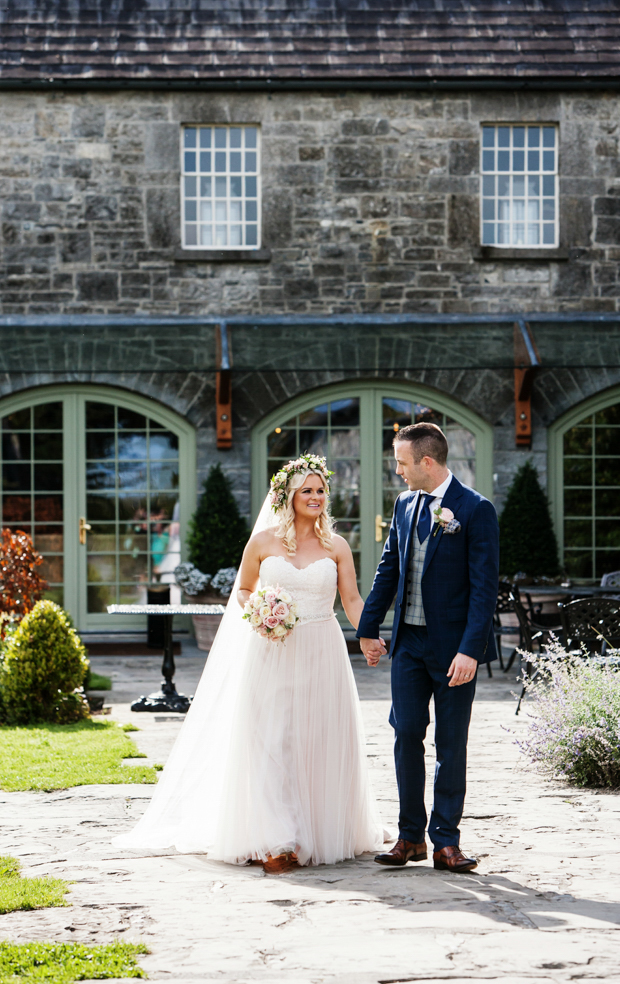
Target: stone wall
{"type": "Point", "coordinates": [370, 203]}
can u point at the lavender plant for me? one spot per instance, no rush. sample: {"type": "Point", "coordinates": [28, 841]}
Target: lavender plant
{"type": "Point", "coordinates": [574, 723]}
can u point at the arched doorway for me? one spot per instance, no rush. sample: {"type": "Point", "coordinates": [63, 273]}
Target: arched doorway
{"type": "Point", "coordinates": [354, 424]}
{"type": "Point", "coordinates": [75, 457]}
{"type": "Point", "coordinates": [584, 485]}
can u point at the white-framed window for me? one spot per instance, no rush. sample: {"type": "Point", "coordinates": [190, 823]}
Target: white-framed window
{"type": "Point", "coordinates": [220, 187]}
{"type": "Point", "coordinates": [519, 185]}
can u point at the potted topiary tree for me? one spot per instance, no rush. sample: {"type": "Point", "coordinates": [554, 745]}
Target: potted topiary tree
{"type": "Point", "coordinates": [527, 541]}
{"type": "Point", "coordinates": [217, 535]}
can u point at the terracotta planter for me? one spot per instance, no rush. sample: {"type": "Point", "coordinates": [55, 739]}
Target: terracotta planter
{"type": "Point", "coordinates": [206, 626]}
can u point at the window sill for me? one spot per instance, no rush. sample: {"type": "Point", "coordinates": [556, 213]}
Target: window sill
{"type": "Point", "coordinates": [223, 255]}
{"type": "Point", "coordinates": [487, 253]}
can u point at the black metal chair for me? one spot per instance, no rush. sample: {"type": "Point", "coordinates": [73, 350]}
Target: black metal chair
{"type": "Point", "coordinates": [595, 622]}
{"type": "Point", "coordinates": [503, 606]}
{"type": "Point", "coordinates": [529, 639]}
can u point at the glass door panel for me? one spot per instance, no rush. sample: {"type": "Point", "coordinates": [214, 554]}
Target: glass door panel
{"type": "Point", "coordinates": [331, 429]}
{"type": "Point", "coordinates": [33, 485]}
{"type": "Point", "coordinates": [132, 505]}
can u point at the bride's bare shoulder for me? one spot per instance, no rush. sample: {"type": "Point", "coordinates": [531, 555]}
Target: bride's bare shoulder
{"type": "Point", "coordinates": [265, 538]}
{"type": "Point", "coordinates": [340, 546]}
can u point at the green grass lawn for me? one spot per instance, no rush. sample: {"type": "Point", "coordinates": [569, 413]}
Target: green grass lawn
{"type": "Point", "coordinates": [56, 756]}
{"type": "Point", "coordinates": [63, 963]}
{"type": "Point", "coordinates": [28, 893]}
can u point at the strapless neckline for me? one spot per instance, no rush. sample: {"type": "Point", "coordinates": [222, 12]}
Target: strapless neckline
{"type": "Point", "coordinates": [279, 557]}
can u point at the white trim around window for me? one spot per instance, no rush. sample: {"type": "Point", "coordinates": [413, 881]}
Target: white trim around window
{"type": "Point", "coordinates": [220, 187]}
{"type": "Point", "coordinates": [519, 185]}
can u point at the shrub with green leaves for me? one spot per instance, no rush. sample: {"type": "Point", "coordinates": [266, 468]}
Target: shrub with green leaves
{"type": "Point", "coordinates": [574, 718]}
{"type": "Point", "coordinates": [42, 669]}
{"type": "Point", "coordinates": [527, 541]}
{"type": "Point", "coordinates": [217, 531]}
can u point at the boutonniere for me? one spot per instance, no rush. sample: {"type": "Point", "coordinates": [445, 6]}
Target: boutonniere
{"type": "Point", "coordinates": [444, 520]}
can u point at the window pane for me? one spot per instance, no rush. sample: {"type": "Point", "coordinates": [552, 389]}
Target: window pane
{"type": "Point", "coordinates": [205, 187]}
{"type": "Point", "coordinates": [503, 136]}
{"type": "Point", "coordinates": [190, 187]}
{"type": "Point", "coordinates": [190, 137]}
{"type": "Point", "coordinates": [488, 160]}
{"type": "Point", "coordinates": [250, 136]}
{"type": "Point", "coordinates": [533, 136]}
{"type": "Point", "coordinates": [220, 136]}
{"type": "Point", "coordinates": [190, 160]}
{"type": "Point", "coordinates": [503, 160]}
{"type": "Point", "coordinates": [548, 136]}
{"type": "Point", "coordinates": [205, 160]}
{"type": "Point", "coordinates": [205, 137]}
{"type": "Point", "coordinates": [488, 185]}
{"type": "Point", "coordinates": [235, 136]}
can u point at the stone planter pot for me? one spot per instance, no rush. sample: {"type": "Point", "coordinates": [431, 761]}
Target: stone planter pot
{"type": "Point", "coordinates": [206, 626]}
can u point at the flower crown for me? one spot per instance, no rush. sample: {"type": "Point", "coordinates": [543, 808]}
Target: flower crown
{"type": "Point", "coordinates": [278, 490]}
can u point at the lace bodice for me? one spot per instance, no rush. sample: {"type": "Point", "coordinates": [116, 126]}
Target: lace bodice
{"type": "Point", "coordinates": [313, 587]}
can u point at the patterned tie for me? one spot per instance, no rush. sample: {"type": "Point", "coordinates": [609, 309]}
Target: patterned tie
{"type": "Point", "coordinates": [424, 521]}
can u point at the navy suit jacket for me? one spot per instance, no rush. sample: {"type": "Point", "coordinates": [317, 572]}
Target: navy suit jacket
{"type": "Point", "coordinates": [459, 581]}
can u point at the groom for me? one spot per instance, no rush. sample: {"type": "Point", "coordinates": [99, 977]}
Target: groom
{"type": "Point", "coordinates": [441, 562]}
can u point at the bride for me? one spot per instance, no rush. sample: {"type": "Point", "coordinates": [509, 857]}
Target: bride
{"type": "Point", "coordinates": [270, 765]}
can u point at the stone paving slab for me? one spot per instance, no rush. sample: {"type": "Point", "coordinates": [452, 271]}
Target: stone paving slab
{"type": "Point", "coordinates": [543, 906]}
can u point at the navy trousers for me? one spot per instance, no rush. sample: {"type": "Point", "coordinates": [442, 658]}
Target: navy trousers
{"type": "Point", "coordinates": [416, 676]}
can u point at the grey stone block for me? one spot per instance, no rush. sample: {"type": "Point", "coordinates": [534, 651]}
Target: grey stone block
{"type": "Point", "coordinates": [101, 208]}
{"type": "Point", "coordinates": [162, 217]}
{"type": "Point", "coordinates": [88, 120]}
{"type": "Point", "coordinates": [97, 286]}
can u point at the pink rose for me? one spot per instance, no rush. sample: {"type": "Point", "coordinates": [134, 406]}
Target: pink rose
{"type": "Point", "coordinates": [280, 611]}
{"type": "Point", "coordinates": [270, 621]}
{"type": "Point", "coordinates": [270, 597]}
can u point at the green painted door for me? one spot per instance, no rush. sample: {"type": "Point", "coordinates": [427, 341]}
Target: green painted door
{"type": "Point", "coordinates": [104, 482]}
{"type": "Point", "coordinates": [354, 424]}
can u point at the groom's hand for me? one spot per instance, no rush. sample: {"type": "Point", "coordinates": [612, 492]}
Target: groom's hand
{"type": "Point", "coordinates": [373, 650]}
{"type": "Point", "coordinates": [462, 670]}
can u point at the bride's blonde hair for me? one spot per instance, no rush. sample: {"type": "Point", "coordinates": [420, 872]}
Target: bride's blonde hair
{"type": "Point", "coordinates": [323, 526]}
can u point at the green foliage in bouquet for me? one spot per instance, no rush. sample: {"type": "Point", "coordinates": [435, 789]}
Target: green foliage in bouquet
{"type": "Point", "coordinates": [42, 669]}
{"type": "Point", "coordinates": [527, 540]}
{"type": "Point", "coordinates": [217, 531]}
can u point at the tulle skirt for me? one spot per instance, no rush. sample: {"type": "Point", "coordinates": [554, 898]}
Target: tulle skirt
{"type": "Point", "coordinates": [290, 771]}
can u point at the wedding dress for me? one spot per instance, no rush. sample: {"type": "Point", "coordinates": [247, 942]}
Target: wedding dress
{"type": "Point", "coordinates": [271, 757]}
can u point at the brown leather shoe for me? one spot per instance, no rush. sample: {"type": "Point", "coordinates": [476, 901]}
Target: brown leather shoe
{"type": "Point", "coordinates": [281, 864]}
{"type": "Point", "coordinates": [453, 859]}
{"type": "Point", "coordinates": [402, 852]}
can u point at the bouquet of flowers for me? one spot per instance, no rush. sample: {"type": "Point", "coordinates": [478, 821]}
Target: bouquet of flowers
{"type": "Point", "coordinates": [272, 613]}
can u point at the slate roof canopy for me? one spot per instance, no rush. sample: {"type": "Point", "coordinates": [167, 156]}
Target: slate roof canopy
{"type": "Point", "coordinates": [202, 41]}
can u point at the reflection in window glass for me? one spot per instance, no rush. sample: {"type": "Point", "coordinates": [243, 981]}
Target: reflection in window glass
{"type": "Point", "coordinates": [32, 485]}
{"type": "Point", "coordinates": [132, 478]}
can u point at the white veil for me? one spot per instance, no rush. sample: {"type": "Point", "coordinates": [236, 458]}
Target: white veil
{"type": "Point", "coordinates": [184, 810]}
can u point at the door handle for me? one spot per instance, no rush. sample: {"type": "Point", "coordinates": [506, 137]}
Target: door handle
{"type": "Point", "coordinates": [84, 527]}
{"type": "Point", "coordinates": [379, 525]}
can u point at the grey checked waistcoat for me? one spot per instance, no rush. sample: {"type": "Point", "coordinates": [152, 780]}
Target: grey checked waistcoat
{"type": "Point", "coordinates": [414, 610]}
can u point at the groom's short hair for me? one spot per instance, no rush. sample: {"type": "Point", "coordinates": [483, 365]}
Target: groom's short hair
{"type": "Point", "coordinates": [425, 439]}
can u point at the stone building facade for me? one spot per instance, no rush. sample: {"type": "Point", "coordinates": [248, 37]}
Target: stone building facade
{"type": "Point", "coordinates": [371, 289]}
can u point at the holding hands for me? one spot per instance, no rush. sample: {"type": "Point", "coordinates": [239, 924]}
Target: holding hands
{"type": "Point", "coordinates": [373, 650]}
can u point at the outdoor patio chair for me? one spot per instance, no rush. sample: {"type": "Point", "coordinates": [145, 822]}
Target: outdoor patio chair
{"type": "Point", "coordinates": [611, 580]}
{"type": "Point", "coordinates": [593, 621]}
{"type": "Point", "coordinates": [503, 606]}
{"type": "Point", "coordinates": [529, 639]}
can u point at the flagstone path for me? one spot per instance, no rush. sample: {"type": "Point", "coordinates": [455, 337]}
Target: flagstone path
{"type": "Point", "coordinates": [543, 906]}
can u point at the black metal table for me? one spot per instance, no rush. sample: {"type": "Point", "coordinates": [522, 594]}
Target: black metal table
{"type": "Point", "coordinates": [166, 699]}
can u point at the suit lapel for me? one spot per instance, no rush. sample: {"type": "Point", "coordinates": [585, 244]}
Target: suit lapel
{"type": "Point", "coordinates": [449, 500]}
